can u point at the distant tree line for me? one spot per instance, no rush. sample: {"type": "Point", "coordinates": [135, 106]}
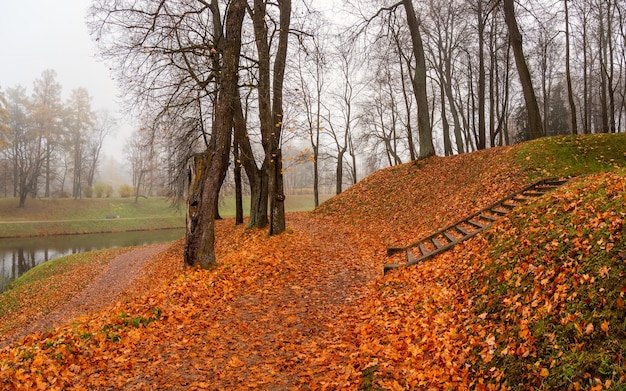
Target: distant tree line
{"type": "Point", "coordinates": [249, 92]}
{"type": "Point", "coordinates": [50, 147]}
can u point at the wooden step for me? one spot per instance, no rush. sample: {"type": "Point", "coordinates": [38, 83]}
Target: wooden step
{"type": "Point", "coordinates": [462, 230]}
{"type": "Point", "coordinates": [499, 212]}
{"type": "Point", "coordinates": [475, 224]}
{"type": "Point", "coordinates": [438, 244]}
{"type": "Point", "coordinates": [485, 217]}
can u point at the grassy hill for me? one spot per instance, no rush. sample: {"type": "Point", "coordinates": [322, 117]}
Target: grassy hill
{"type": "Point", "coordinates": [535, 302]}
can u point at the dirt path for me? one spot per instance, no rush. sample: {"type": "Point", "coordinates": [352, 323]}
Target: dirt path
{"type": "Point", "coordinates": [117, 275]}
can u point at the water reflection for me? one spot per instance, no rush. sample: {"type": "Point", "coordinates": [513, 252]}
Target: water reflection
{"type": "Point", "coordinates": [17, 256]}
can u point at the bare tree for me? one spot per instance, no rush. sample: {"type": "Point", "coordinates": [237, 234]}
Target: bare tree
{"type": "Point", "coordinates": [47, 107]}
{"type": "Point", "coordinates": [344, 103]}
{"type": "Point", "coordinates": [532, 108]}
{"type": "Point", "coordinates": [271, 76]}
{"type": "Point", "coordinates": [27, 151]}
{"type": "Point", "coordinates": [568, 72]}
{"type": "Point", "coordinates": [103, 126]}
{"type": "Point", "coordinates": [419, 83]}
{"type": "Point", "coordinates": [140, 154]}
{"type": "Point", "coordinates": [312, 63]}
{"type": "Point", "coordinates": [209, 169]}
{"type": "Point", "coordinates": [79, 119]}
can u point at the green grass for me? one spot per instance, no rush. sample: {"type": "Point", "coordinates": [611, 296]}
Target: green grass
{"type": "Point", "coordinates": [55, 267]}
{"type": "Point", "coordinates": [41, 217]}
{"type": "Point", "coordinates": [85, 209]}
{"type": "Point", "coordinates": [564, 156]}
{"type": "Point", "coordinates": [576, 242]}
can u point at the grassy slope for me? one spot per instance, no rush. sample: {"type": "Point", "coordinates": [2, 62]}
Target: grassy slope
{"type": "Point", "coordinates": [498, 309]}
{"type": "Point", "coordinates": [538, 302]}
{"type": "Point", "coordinates": [546, 347]}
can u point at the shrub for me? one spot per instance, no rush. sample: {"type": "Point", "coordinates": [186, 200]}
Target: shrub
{"type": "Point", "coordinates": [88, 191]}
{"type": "Point", "coordinates": [125, 191]}
{"type": "Point", "coordinates": [103, 190]}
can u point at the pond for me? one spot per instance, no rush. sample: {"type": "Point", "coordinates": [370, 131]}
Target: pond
{"type": "Point", "coordinates": [18, 255]}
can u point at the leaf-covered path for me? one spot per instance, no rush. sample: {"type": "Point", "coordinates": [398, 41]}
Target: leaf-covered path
{"type": "Point", "coordinates": [285, 327]}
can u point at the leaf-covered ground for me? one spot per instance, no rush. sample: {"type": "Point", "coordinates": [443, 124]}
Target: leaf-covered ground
{"type": "Point", "coordinates": [536, 302]}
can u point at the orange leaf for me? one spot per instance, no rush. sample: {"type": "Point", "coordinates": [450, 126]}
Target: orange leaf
{"type": "Point", "coordinates": [605, 327]}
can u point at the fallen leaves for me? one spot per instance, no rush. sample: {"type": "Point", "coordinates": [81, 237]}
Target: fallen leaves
{"type": "Point", "coordinates": [52, 288]}
{"type": "Point", "coordinates": [310, 309]}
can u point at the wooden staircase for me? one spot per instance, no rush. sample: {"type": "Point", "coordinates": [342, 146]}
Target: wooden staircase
{"type": "Point", "coordinates": [462, 230]}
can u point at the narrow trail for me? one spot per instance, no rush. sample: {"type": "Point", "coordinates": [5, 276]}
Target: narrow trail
{"type": "Point", "coordinates": [106, 288]}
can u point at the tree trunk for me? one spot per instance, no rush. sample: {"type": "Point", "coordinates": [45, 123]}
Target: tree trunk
{"type": "Point", "coordinates": [419, 84]}
{"type": "Point", "coordinates": [209, 168]}
{"type": "Point", "coordinates": [238, 190]}
{"type": "Point", "coordinates": [458, 138]}
{"type": "Point", "coordinates": [447, 143]}
{"type": "Point", "coordinates": [568, 74]}
{"type": "Point", "coordinates": [534, 117]}
{"type": "Point", "coordinates": [278, 201]}
{"type": "Point", "coordinates": [407, 105]}
{"type": "Point", "coordinates": [586, 72]}
{"type": "Point", "coordinates": [48, 173]}
{"type": "Point", "coordinates": [482, 143]}
{"type": "Point", "coordinates": [256, 178]}
{"type": "Point", "coordinates": [271, 107]}
{"type": "Point", "coordinates": [339, 173]}
{"type": "Point", "coordinates": [604, 108]}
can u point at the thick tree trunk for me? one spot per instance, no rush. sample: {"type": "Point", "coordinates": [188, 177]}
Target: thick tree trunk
{"type": "Point", "coordinates": [419, 84]}
{"type": "Point", "coordinates": [534, 117]}
{"type": "Point", "coordinates": [210, 167]}
{"type": "Point", "coordinates": [278, 223]}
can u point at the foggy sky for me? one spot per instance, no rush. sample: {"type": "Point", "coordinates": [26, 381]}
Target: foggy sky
{"type": "Point", "coordinates": [43, 34]}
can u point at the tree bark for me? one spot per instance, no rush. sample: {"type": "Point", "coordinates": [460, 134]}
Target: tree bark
{"type": "Point", "coordinates": [481, 144]}
{"type": "Point", "coordinates": [271, 107]}
{"type": "Point", "coordinates": [532, 108]}
{"type": "Point", "coordinates": [238, 189]}
{"type": "Point", "coordinates": [419, 84]}
{"type": "Point", "coordinates": [210, 167]}
{"type": "Point", "coordinates": [568, 74]}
